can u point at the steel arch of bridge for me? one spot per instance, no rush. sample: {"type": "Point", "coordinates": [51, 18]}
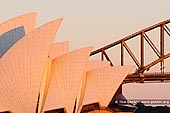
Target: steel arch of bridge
{"type": "Point", "coordinates": [139, 75]}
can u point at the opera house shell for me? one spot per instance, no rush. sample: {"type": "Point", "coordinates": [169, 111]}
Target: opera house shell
{"type": "Point", "coordinates": [38, 75]}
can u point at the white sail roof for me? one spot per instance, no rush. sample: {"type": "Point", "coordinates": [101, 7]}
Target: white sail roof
{"type": "Point", "coordinates": [83, 87]}
{"type": "Point", "coordinates": [53, 99]}
{"type": "Point", "coordinates": [107, 80]}
{"type": "Point", "coordinates": [58, 49]}
{"type": "Point", "coordinates": [44, 84]}
{"type": "Point", "coordinates": [69, 71]}
{"type": "Point", "coordinates": [90, 95]}
{"type": "Point", "coordinates": [22, 67]}
{"type": "Point", "coordinates": [53, 96]}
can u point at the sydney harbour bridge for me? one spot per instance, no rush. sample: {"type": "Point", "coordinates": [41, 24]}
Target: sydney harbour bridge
{"type": "Point", "coordinates": [142, 72]}
{"type": "Point", "coordinates": [139, 47]}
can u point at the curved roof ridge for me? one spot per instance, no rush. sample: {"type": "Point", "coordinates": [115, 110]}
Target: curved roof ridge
{"type": "Point", "coordinates": [9, 38]}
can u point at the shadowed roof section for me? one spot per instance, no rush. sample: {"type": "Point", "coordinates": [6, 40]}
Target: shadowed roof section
{"type": "Point", "coordinates": [91, 64]}
{"type": "Point", "coordinates": [107, 80]}
{"type": "Point", "coordinates": [27, 20]}
{"type": "Point", "coordinates": [22, 67]}
{"type": "Point", "coordinates": [90, 94]}
{"type": "Point", "coordinates": [69, 70]}
{"type": "Point", "coordinates": [9, 38]}
{"type": "Point", "coordinates": [54, 99]}
{"type": "Point", "coordinates": [58, 49]}
{"type": "Point", "coordinates": [45, 81]}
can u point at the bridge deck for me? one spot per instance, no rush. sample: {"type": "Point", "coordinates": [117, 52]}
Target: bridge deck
{"type": "Point", "coordinates": [148, 77]}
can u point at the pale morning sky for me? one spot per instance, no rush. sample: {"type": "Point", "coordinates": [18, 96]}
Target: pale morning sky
{"type": "Point", "coordinates": [98, 23]}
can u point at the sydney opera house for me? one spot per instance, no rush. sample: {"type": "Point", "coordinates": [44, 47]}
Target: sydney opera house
{"type": "Point", "coordinates": [38, 75]}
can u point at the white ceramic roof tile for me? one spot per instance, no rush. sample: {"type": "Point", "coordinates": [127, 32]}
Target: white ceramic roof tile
{"type": "Point", "coordinates": [91, 64]}
{"type": "Point", "coordinates": [106, 81]}
{"type": "Point", "coordinates": [94, 64]}
{"type": "Point", "coordinates": [56, 50]}
{"type": "Point", "coordinates": [3, 107]}
{"type": "Point", "coordinates": [90, 95]}
{"type": "Point", "coordinates": [44, 84]}
{"type": "Point", "coordinates": [54, 99]}
{"type": "Point", "coordinates": [81, 92]}
{"type": "Point", "coordinates": [27, 20]}
{"type": "Point", "coordinates": [69, 71]}
{"type": "Point", "coordinates": [22, 67]}
{"type": "Point", "coordinates": [59, 49]}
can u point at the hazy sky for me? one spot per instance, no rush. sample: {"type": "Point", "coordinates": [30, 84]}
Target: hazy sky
{"type": "Point", "coordinates": [97, 23]}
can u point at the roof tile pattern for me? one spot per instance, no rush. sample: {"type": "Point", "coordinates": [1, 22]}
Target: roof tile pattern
{"type": "Point", "coordinates": [69, 69]}
{"type": "Point", "coordinates": [3, 107]}
{"type": "Point", "coordinates": [21, 72]}
{"type": "Point", "coordinates": [90, 95]}
{"type": "Point", "coordinates": [54, 99]}
{"type": "Point", "coordinates": [44, 84]}
{"type": "Point", "coordinates": [91, 64]}
{"type": "Point", "coordinates": [27, 20]}
{"type": "Point", "coordinates": [94, 64]}
{"type": "Point", "coordinates": [59, 49]}
{"type": "Point", "coordinates": [80, 94]}
{"type": "Point", "coordinates": [106, 81]}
